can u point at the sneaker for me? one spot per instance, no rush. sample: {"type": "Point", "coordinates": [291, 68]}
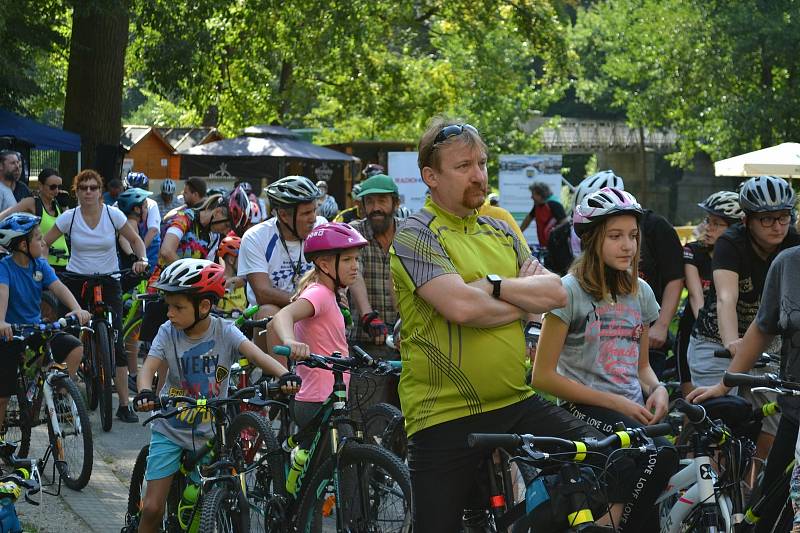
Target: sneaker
{"type": "Point", "coordinates": [132, 384]}
{"type": "Point", "coordinates": [126, 415]}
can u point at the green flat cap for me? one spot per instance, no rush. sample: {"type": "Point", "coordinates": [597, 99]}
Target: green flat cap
{"type": "Point", "coordinates": [378, 184]}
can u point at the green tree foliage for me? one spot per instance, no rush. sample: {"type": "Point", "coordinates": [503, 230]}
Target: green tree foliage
{"type": "Point", "coordinates": [722, 73]}
{"type": "Point", "coordinates": [356, 69]}
{"type": "Point", "coordinates": [33, 43]}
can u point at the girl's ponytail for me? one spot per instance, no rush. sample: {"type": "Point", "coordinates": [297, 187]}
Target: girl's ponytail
{"type": "Point", "coordinates": [311, 276]}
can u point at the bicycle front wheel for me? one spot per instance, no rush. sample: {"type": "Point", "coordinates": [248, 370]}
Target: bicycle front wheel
{"type": "Point", "coordinates": [384, 426]}
{"type": "Point", "coordinates": [261, 457]}
{"type": "Point", "coordinates": [225, 510]}
{"type": "Point", "coordinates": [87, 371]}
{"type": "Point", "coordinates": [104, 348]}
{"type": "Point", "coordinates": [72, 446]}
{"type": "Point", "coordinates": [371, 492]}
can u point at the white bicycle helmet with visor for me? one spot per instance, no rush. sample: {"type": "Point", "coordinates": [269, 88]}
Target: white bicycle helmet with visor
{"type": "Point", "coordinates": [602, 204]}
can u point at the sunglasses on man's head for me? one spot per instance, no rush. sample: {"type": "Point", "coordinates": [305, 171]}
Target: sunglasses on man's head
{"type": "Point", "coordinates": [453, 130]}
{"type": "Point", "coordinates": [85, 188]}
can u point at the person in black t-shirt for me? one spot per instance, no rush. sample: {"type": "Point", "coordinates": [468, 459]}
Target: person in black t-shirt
{"type": "Point", "coordinates": [661, 266]}
{"type": "Point", "coordinates": [742, 257]}
{"type": "Point", "coordinates": [722, 210]}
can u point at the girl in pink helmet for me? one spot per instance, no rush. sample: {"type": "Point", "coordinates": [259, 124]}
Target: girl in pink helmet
{"type": "Point", "coordinates": [313, 321]}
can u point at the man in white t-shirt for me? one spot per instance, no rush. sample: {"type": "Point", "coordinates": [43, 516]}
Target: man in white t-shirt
{"type": "Point", "coordinates": [271, 254]}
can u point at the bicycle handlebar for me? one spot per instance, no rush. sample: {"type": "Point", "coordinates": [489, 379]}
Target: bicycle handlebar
{"type": "Point", "coordinates": [732, 379]}
{"type": "Point", "coordinates": [361, 360]}
{"type": "Point", "coordinates": [695, 413]}
{"type": "Point", "coordinates": [620, 439]}
{"type": "Point", "coordinates": [23, 332]}
{"type": "Point", "coordinates": [763, 360]}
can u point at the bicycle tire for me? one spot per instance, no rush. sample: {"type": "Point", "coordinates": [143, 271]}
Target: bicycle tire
{"type": "Point", "coordinates": [224, 509]}
{"type": "Point", "coordinates": [88, 373]}
{"type": "Point", "coordinates": [384, 426]}
{"type": "Point", "coordinates": [251, 436]}
{"type": "Point", "coordinates": [19, 420]}
{"type": "Point", "coordinates": [136, 491]}
{"type": "Point", "coordinates": [69, 405]}
{"type": "Point", "coordinates": [379, 471]}
{"type": "Point", "coordinates": [104, 372]}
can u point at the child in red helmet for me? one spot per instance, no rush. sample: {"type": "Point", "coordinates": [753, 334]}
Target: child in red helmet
{"type": "Point", "coordinates": [313, 322]}
{"type": "Point", "coordinates": [198, 349]}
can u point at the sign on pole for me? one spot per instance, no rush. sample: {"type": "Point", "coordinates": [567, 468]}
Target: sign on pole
{"type": "Point", "coordinates": [517, 174]}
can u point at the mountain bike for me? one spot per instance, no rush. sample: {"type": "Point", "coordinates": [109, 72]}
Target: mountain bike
{"type": "Point", "coordinates": [565, 496]}
{"type": "Point", "coordinates": [98, 337]}
{"type": "Point", "coordinates": [777, 490]}
{"type": "Point", "coordinates": [341, 482]}
{"type": "Point", "coordinates": [46, 394]}
{"type": "Point", "coordinates": [224, 462]}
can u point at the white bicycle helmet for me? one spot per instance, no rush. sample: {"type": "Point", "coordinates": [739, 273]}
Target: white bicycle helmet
{"type": "Point", "coordinates": [766, 193]}
{"type": "Point", "coordinates": [168, 187]}
{"type": "Point", "coordinates": [192, 276]}
{"type": "Point", "coordinates": [402, 212]}
{"type": "Point", "coordinates": [595, 182]}
{"type": "Point", "coordinates": [723, 204]}
{"type": "Point", "coordinates": [602, 204]}
{"type": "Point", "coordinates": [291, 191]}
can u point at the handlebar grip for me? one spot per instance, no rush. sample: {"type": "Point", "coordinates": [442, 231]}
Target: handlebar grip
{"type": "Point", "coordinates": [695, 413]}
{"type": "Point", "coordinates": [723, 353]}
{"type": "Point", "coordinates": [658, 430]}
{"type": "Point", "coordinates": [148, 297]}
{"type": "Point", "coordinates": [367, 358]}
{"type": "Point", "coordinates": [282, 350]}
{"type": "Point", "coordinates": [494, 440]}
{"type": "Point", "coordinates": [251, 311]}
{"type": "Point", "coordinates": [396, 365]}
{"type": "Point", "coordinates": [732, 379]}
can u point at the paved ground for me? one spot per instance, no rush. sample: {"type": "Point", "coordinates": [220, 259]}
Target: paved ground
{"type": "Point", "coordinates": [100, 507]}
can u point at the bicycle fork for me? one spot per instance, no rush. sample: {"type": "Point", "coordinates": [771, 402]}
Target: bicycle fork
{"type": "Point", "coordinates": [51, 406]}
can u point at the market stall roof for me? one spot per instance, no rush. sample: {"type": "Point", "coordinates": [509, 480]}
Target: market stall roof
{"type": "Point", "coordinates": [285, 147]}
{"type": "Point", "coordinates": [781, 160]}
{"type": "Point", "coordinates": [40, 136]}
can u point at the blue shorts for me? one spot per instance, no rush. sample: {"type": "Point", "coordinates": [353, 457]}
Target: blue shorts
{"type": "Point", "coordinates": [164, 459]}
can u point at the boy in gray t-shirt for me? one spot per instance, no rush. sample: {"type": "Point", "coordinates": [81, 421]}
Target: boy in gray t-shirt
{"type": "Point", "coordinates": [195, 350]}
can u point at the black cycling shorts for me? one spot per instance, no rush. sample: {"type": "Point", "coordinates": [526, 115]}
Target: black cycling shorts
{"type": "Point", "coordinates": [61, 344]}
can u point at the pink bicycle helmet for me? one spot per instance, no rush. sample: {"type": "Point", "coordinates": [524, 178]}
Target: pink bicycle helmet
{"type": "Point", "coordinates": [331, 238]}
{"type": "Point", "coordinates": [600, 205]}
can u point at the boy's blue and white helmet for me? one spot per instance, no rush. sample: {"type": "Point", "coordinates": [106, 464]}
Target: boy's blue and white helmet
{"type": "Point", "coordinates": [131, 198]}
{"type": "Point", "coordinates": [15, 226]}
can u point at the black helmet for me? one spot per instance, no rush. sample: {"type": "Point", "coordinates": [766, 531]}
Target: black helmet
{"type": "Point", "coordinates": [723, 204]}
{"type": "Point", "coordinates": [291, 191]}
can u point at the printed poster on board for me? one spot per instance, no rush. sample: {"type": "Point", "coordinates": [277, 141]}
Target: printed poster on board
{"type": "Point", "coordinates": [517, 174]}
{"type": "Point", "coordinates": [403, 169]}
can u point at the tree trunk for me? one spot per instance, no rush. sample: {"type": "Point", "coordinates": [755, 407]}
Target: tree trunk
{"type": "Point", "coordinates": [93, 106]}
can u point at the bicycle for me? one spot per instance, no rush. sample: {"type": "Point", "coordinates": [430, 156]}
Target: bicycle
{"type": "Point", "coordinates": [767, 495]}
{"type": "Point", "coordinates": [98, 367]}
{"type": "Point", "coordinates": [220, 501]}
{"type": "Point", "coordinates": [43, 383]}
{"type": "Point", "coordinates": [25, 476]}
{"type": "Point", "coordinates": [568, 499]}
{"type": "Point", "coordinates": [365, 486]}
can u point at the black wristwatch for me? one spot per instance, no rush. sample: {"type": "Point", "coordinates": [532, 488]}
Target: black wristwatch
{"type": "Point", "coordinates": [495, 280]}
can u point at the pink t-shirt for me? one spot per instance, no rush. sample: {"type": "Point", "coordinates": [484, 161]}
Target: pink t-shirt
{"type": "Point", "coordinates": [324, 333]}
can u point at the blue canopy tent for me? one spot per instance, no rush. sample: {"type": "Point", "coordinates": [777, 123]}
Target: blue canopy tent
{"type": "Point", "coordinates": [37, 135]}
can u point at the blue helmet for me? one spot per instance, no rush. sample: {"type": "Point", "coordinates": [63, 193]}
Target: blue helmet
{"type": "Point", "coordinates": [138, 180]}
{"type": "Point", "coordinates": [16, 226]}
{"type": "Point", "coordinates": [131, 198]}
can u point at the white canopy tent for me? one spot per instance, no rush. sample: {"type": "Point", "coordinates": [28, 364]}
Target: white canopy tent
{"type": "Point", "coordinates": [781, 160]}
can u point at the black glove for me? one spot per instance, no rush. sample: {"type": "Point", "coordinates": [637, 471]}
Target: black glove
{"type": "Point", "coordinates": [288, 378]}
{"type": "Point", "coordinates": [372, 325]}
{"type": "Point", "coordinates": [144, 397]}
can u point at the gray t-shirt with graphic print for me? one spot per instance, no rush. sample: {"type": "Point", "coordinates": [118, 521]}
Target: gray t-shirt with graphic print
{"type": "Point", "coordinates": [601, 350]}
{"type": "Point", "coordinates": [199, 368]}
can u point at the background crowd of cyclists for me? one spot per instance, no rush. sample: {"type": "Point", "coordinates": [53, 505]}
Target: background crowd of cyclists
{"type": "Point", "coordinates": [616, 295]}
